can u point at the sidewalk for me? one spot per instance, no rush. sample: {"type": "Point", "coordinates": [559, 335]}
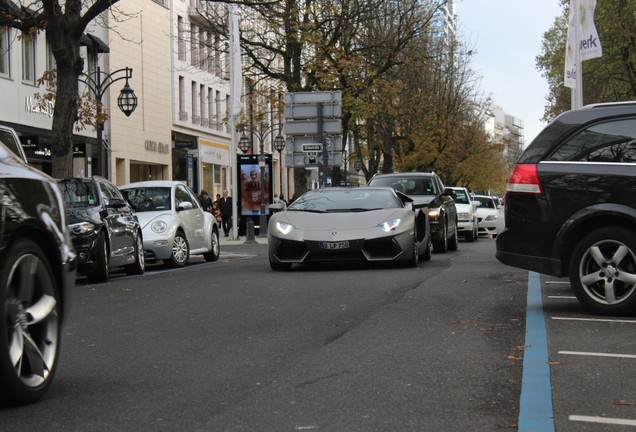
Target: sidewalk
{"type": "Point", "coordinates": [231, 241]}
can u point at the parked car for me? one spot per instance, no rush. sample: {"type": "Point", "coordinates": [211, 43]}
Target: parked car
{"type": "Point", "coordinates": [173, 223]}
{"type": "Point", "coordinates": [467, 223]}
{"type": "Point", "coordinates": [104, 228]}
{"type": "Point", "coordinates": [571, 208]}
{"type": "Point", "coordinates": [10, 139]}
{"type": "Point", "coordinates": [429, 195]}
{"type": "Point", "coordinates": [37, 272]}
{"type": "Point", "coordinates": [487, 215]}
{"type": "Point", "coordinates": [371, 224]}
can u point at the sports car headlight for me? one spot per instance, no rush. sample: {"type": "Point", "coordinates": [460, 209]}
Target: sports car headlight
{"type": "Point", "coordinates": [389, 225]}
{"type": "Point", "coordinates": [284, 227]}
{"type": "Point", "coordinates": [159, 227]}
{"type": "Point", "coordinates": [434, 212]}
{"type": "Point", "coordinates": [82, 228]}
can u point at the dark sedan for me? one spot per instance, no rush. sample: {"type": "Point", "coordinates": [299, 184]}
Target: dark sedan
{"type": "Point", "coordinates": [104, 228]}
{"type": "Point", "coordinates": [37, 272]}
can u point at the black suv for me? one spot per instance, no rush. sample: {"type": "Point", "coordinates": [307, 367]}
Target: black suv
{"type": "Point", "coordinates": [571, 206]}
{"type": "Point", "coordinates": [430, 195]}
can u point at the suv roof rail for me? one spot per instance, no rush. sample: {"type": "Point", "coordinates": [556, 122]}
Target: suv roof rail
{"type": "Point", "coordinates": [608, 104]}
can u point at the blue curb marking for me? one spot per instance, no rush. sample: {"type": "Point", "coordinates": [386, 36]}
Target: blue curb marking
{"type": "Point", "coordinates": [536, 413]}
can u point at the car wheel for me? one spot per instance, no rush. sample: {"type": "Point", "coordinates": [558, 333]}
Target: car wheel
{"type": "Point", "coordinates": [426, 256]}
{"type": "Point", "coordinates": [441, 245]}
{"type": "Point", "coordinates": [215, 252]}
{"type": "Point", "coordinates": [100, 274]}
{"type": "Point", "coordinates": [412, 262]}
{"type": "Point", "coordinates": [29, 324]}
{"type": "Point", "coordinates": [472, 235]}
{"type": "Point", "coordinates": [180, 251]}
{"type": "Point", "coordinates": [140, 260]}
{"type": "Point", "coordinates": [280, 266]}
{"type": "Point", "coordinates": [453, 244]}
{"type": "Point", "coordinates": [603, 271]}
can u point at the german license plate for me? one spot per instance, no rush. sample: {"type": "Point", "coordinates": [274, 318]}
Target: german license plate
{"type": "Point", "coordinates": [334, 245]}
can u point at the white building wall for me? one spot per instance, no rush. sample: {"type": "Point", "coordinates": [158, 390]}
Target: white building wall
{"type": "Point", "coordinates": [142, 42]}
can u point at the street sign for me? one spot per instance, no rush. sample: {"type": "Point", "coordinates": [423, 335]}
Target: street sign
{"type": "Point", "coordinates": [310, 127]}
{"type": "Point", "coordinates": [313, 147]}
{"type": "Point", "coordinates": [325, 97]}
{"type": "Point", "coordinates": [310, 111]}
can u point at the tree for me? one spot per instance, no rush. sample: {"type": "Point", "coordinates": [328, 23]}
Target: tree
{"type": "Point", "coordinates": [65, 23]}
{"type": "Point", "coordinates": [609, 78]}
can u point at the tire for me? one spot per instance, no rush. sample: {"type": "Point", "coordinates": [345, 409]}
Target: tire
{"type": "Point", "coordinates": [215, 252]}
{"type": "Point", "coordinates": [180, 251]}
{"type": "Point", "coordinates": [415, 256]}
{"type": "Point", "coordinates": [139, 267]}
{"type": "Point", "coordinates": [30, 324]}
{"type": "Point", "coordinates": [603, 271]}
{"type": "Point", "coordinates": [280, 266]}
{"type": "Point", "coordinates": [428, 252]}
{"type": "Point", "coordinates": [472, 236]}
{"type": "Point", "coordinates": [441, 245]}
{"type": "Point", "coordinates": [453, 244]}
{"type": "Point", "coordinates": [100, 274]}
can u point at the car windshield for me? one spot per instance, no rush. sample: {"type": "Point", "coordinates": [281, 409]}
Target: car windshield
{"type": "Point", "coordinates": [486, 202]}
{"type": "Point", "coordinates": [410, 185]}
{"type": "Point", "coordinates": [345, 200]}
{"type": "Point", "coordinates": [79, 193]}
{"type": "Point", "coordinates": [461, 197]}
{"type": "Point", "coordinates": [144, 199]}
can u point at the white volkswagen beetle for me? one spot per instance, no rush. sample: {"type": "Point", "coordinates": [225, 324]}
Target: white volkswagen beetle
{"type": "Point", "coordinates": [173, 224]}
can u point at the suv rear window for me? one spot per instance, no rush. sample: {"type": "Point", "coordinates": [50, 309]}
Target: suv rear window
{"type": "Point", "coordinates": [604, 142]}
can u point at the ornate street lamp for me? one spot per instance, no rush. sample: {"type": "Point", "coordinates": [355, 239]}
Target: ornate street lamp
{"type": "Point", "coordinates": [98, 82]}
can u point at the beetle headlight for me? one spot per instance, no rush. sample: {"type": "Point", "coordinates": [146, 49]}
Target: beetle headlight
{"type": "Point", "coordinates": [389, 225]}
{"type": "Point", "coordinates": [82, 228]}
{"type": "Point", "coordinates": [159, 227]}
{"type": "Point", "coordinates": [284, 227]}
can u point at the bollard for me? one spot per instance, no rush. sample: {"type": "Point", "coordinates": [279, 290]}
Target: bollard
{"type": "Point", "coordinates": [249, 232]}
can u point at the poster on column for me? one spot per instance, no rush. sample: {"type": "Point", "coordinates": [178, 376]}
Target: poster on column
{"type": "Point", "coordinates": [252, 187]}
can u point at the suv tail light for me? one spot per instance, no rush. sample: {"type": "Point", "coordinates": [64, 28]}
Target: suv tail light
{"type": "Point", "coordinates": [524, 179]}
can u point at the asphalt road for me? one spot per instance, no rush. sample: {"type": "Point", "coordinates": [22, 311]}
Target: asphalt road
{"type": "Point", "coordinates": [234, 346]}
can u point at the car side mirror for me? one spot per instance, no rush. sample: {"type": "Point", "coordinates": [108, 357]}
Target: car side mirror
{"type": "Point", "coordinates": [185, 205]}
{"type": "Point", "coordinates": [276, 207]}
{"type": "Point", "coordinates": [116, 203]}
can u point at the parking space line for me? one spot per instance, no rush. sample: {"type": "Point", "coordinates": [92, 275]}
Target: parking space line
{"type": "Point", "coordinates": [605, 420]}
{"type": "Point", "coordinates": [595, 320]}
{"type": "Point", "coordinates": [536, 412]}
{"type": "Point", "coordinates": [562, 297]}
{"type": "Point", "coordinates": [593, 354]}
{"type": "Point", "coordinates": [557, 282]}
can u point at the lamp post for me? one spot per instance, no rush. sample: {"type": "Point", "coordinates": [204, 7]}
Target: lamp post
{"type": "Point", "coordinates": [261, 133]}
{"type": "Point", "coordinates": [98, 82]}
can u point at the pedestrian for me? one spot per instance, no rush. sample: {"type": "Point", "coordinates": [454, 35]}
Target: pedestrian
{"type": "Point", "coordinates": [225, 205]}
{"type": "Point", "coordinates": [205, 201]}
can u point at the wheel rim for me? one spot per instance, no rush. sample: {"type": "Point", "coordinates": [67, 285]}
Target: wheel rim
{"type": "Point", "coordinates": [141, 257]}
{"type": "Point", "coordinates": [608, 272]}
{"type": "Point", "coordinates": [179, 249]}
{"type": "Point", "coordinates": [32, 320]}
{"type": "Point", "coordinates": [215, 243]}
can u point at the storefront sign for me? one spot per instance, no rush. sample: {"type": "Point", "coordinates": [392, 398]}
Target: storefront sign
{"type": "Point", "coordinates": [158, 147]}
{"type": "Point", "coordinates": [46, 108]}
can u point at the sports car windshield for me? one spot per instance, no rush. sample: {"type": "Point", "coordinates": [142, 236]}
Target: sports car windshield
{"type": "Point", "coordinates": [144, 199]}
{"type": "Point", "coordinates": [345, 200]}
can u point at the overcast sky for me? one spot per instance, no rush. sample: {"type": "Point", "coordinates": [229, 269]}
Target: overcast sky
{"type": "Point", "coordinates": [507, 35]}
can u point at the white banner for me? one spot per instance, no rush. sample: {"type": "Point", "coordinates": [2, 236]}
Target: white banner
{"type": "Point", "coordinates": [581, 33]}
